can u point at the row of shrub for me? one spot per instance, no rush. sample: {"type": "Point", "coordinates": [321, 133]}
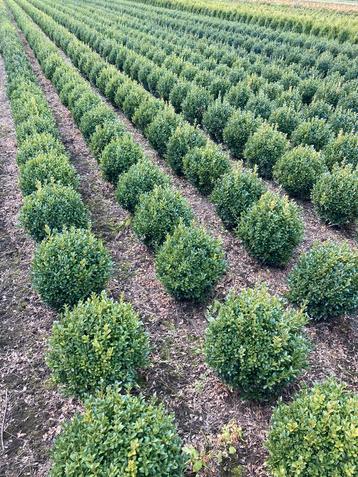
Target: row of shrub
{"type": "Point", "coordinates": [264, 146]}
{"type": "Point", "coordinates": [202, 162]}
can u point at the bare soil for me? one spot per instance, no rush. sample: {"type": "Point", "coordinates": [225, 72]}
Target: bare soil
{"type": "Point", "coordinates": [178, 375]}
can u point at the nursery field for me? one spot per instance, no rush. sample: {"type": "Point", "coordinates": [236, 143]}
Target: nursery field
{"type": "Point", "coordinates": [178, 239]}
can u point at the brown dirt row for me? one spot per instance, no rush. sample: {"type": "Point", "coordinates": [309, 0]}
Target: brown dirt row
{"type": "Point", "coordinates": [178, 374]}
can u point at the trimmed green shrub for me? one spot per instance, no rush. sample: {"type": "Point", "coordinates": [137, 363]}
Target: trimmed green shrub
{"type": "Point", "coordinates": [314, 132]}
{"type": "Point", "coordinates": [119, 435]}
{"type": "Point", "coordinates": [298, 170]}
{"type": "Point", "coordinates": [166, 84]}
{"type": "Point", "coordinates": [335, 195]}
{"type": "Point", "coordinates": [140, 178]}
{"type": "Point", "coordinates": [216, 118]}
{"type": "Point", "coordinates": [96, 117]}
{"type": "Point", "coordinates": [35, 125]}
{"type": "Point", "coordinates": [254, 344]}
{"type": "Point", "coordinates": [190, 263]}
{"type": "Point", "coordinates": [185, 138]}
{"type": "Point", "coordinates": [343, 148]}
{"type": "Point", "coordinates": [239, 95]}
{"type": "Point", "coordinates": [235, 192]}
{"type": "Point", "coordinates": [264, 148]}
{"type": "Point", "coordinates": [146, 112]}
{"type": "Point", "coordinates": [69, 266]}
{"type": "Point", "coordinates": [83, 104]}
{"type": "Point", "coordinates": [203, 166]}
{"type": "Point", "coordinates": [119, 156]}
{"type": "Point", "coordinates": [260, 105]}
{"type": "Point", "coordinates": [271, 229]}
{"type": "Point", "coordinates": [104, 134]}
{"type": "Point", "coordinates": [158, 213]}
{"type": "Point", "coordinates": [315, 434]}
{"type": "Point", "coordinates": [47, 168]}
{"type": "Point", "coordinates": [285, 118]}
{"type": "Point", "coordinates": [133, 100]}
{"type": "Point", "coordinates": [195, 104]}
{"type": "Point", "coordinates": [161, 128]}
{"type": "Point", "coordinates": [240, 126]}
{"type": "Point", "coordinates": [325, 280]}
{"type": "Point", "coordinates": [52, 208]}
{"type": "Point", "coordinates": [122, 92]}
{"type": "Point", "coordinates": [178, 95]}
{"type": "Point", "coordinates": [43, 143]}
{"type": "Point", "coordinates": [98, 343]}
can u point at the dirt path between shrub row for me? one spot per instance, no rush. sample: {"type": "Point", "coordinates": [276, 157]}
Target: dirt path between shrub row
{"type": "Point", "coordinates": [178, 374]}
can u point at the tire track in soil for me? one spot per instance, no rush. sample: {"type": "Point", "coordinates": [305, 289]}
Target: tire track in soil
{"type": "Point", "coordinates": [178, 374]}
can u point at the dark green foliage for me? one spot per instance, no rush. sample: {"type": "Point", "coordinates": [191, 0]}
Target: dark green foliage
{"type": "Point", "coordinates": [216, 118]}
{"type": "Point", "coordinates": [238, 95]}
{"type": "Point", "coordinates": [84, 103]}
{"type": "Point", "coordinates": [178, 95]}
{"type": "Point", "coordinates": [35, 125]}
{"type": "Point", "coordinates": [195, 104]}
{"type": "Point", "coordinates": [161, 129]}
{"type": "Point", "coordinates": [190, 263]}
{"type": "Point", "coordinates": [285, 118]}
{"type": "Point", "coordinates": [158, 213]}
{"type": "Point", "coordinates": [314, 132]}
{"type": "Point", "coordinates": [325, 280]}
{"type": "Point", "coordinates": [47, 168]}
{"type": "Point", "coordinates": [314, 435]}
{"type": "Point", "coordinates": [298, 170]}
{"type": "Point", "coordinates": [146, 112]}
{"type": "Point", "coordinates": [343, 148]}
{"type": "Point", "coordinates": [140, 178]}
{"type": "Point", "coordinates": [119, 156]}
{"type": "Point", "coordinates": [239, 128]}
{"type": "Point", "coordinates": [52, 208]}
{"type": "Point", "coordinates": [335, 195]}
{"type": "Point", "coordinates": [104, 134]}
{"type": "Point", "coordinates": [37, 144]}
{"type": "Point", "coordinates": [234, 193]}
{"type": "Point", "coordinates": [264, 148]}
{"type": "Point", "coordinates": [96, 117]}
{"type": "Point", "coordinates": [271, 229]}
{"type": "Point", "coordinates": [147, 444]}
{"type": "Point", "coordinates": [99, 343]}
{"type": "Point", "coordinates": [133, 101]}
{"type": "Point", "coordinates": [203, 166]}
{"type": "Point", "coordinates": [69, 266]}
{"type": "Point", "coordinates": [254, 344]}
{"type": "Point", "coordinates": [166, 84]}
{"type": "Point", "coordinates": [185, 138]}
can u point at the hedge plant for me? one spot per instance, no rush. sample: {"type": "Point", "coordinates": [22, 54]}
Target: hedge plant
{"type": "Point", "coordinates": [35, 125]}
{"type": "Point", "coordinates": [254, 343]}
{"type": "Point", "coordinates": [343, 149]}
{"type": "Point", "coordinates": [195, 104]}
{"type": "Point", "coordinates": [50, 209]}
{"type": "Point", "coordinates": [240, 126]}
{"type": "Point", "coordinates": [315, 434]}
{"type": "Point", "coordinates": [140, 178]}
{"type": "Point", "coordinates": [216, 118]}
{"type": "Point", "coordinates": [313, 132]}
{"type": "Point", "coordinates": [98, 343]}
{"type": "Point", "coordinates": [69, 266]}
{"type": "Point", "coordinates": [203, 166]}
{"type": "Point", "coordinates": [235, 192]}
{"type": "Point", "coordinates": [271, 229]}
{"type": "Point", "coordinates": [119, 435]}
{"type": "Point", "coordinates": [325, 280]}
{"type": "Point", "coordinates": [190, 263]}
{"type": "Point", "coordinates": [146, 112]}
{"type": "Point", "coordinates": [38, 144]}
{"type": "Point", "coordinates": [96, 117]}
{"type": "Point", "coordinates": [104, 134]}
{"type": "Point", "coordinates": [161, 128]}
{"type": "Point", "coordinates": [158, 213]}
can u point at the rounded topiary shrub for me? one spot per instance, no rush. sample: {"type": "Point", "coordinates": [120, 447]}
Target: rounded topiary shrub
{"type": "Point", "coordinates": [335, 195]}
{"type": "Point", "coordinates": [146, 112]}
{"type": "Point", "coordinates": [96, 117]}
{"type": "Point", "coordinates": [98, 343]}
{"type": "Point", "coordinates": [286, 119]}
{"type": "Point", "coordinates": [315, 434]}
{"type": "Point", "coordinates": [43, 143]}
{"type": "Point", "coordinates": [119, 156]}
{"type": "Point", "coordinates": [45, 169]}
{"type": "Point", "coordinates": [325, 280]}
{"type": "Point", "coordinates": [158, 213]}
{"type": "Point", "coordinates": [178, 94]}
{"type": "Point", "coordinates": [271, 229]}
{"type": "Point", "coordinates": [185, 138]}
{"type": "Point", "coordinates": [203, 166]}
{"type": "Point", "coordinates": [314, 132]}
{"type": "Point", "coordinates": [264, 148]}
{"type": "Point", "coordinates": [298, 170]}
{"type": "Point", "coordinates": [69, 266]}
{"type": "Point", "coordinates": [104, 134]}
{"type": "Point", "coordinates": [161, 128]}
{"type": "Point", "coordinates": [240, 126]}
{"type": "Point", "coordinates": [235, 192]}
{"type": "Point", "coordinates": [51, 208]}
{"type": "Point", "coordinates": [216, 118]}
{"type": "Point", "coordinates": [254, 344]}
{"type": "Point", "coordinates": [35, 125]}
{"type": "Point", "coordinates": [140, 178]}
{"type": "Point", "coordinates": [190, 263]}
{"type": "Point", "coordinates": [195, 104]}
{"type": "Point", "coordinates": [343, 149]}
{"type": "Point", "coordinates": [119, 435]}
